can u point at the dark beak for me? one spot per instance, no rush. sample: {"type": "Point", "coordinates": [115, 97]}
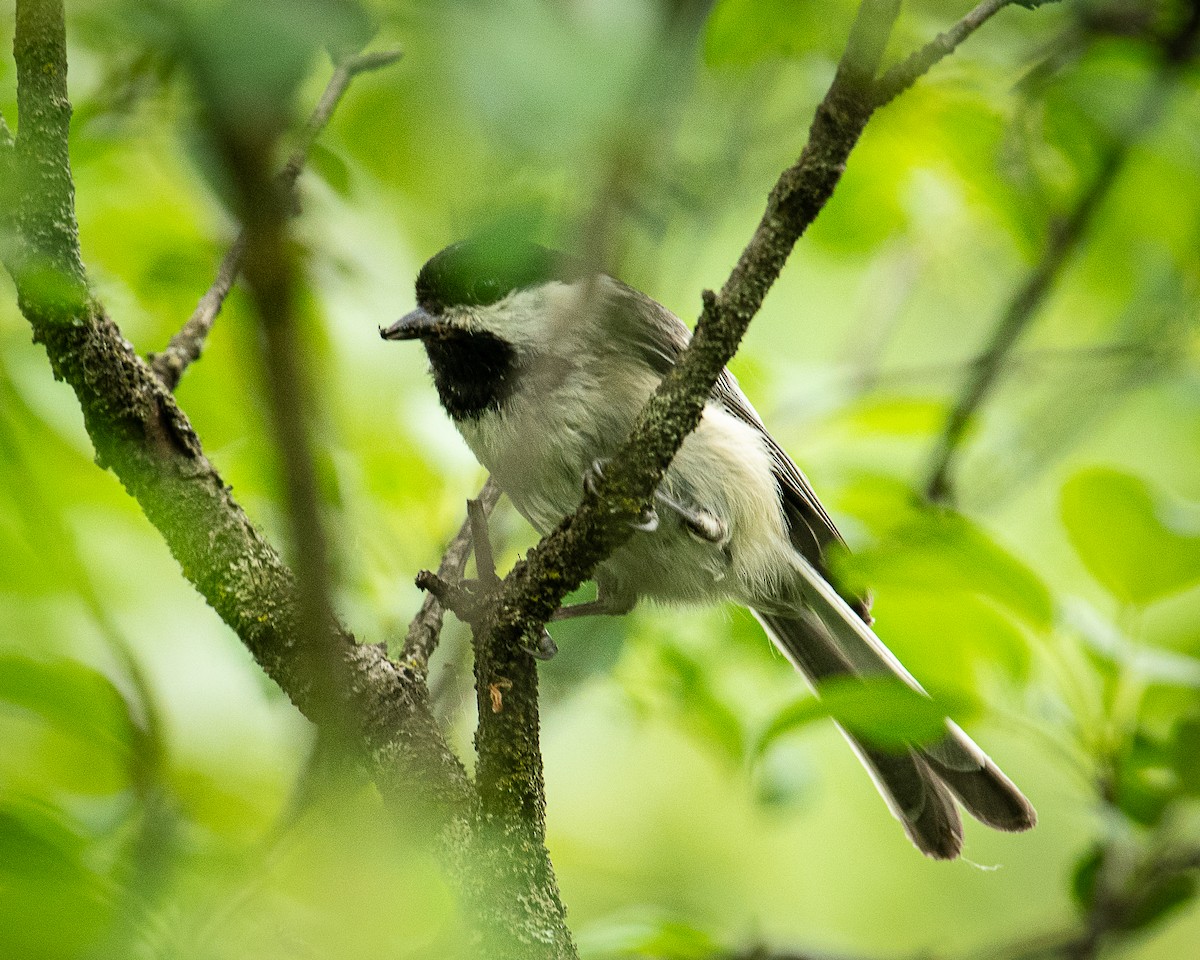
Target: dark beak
{"type": "Point", "coordinates": [411, 326]}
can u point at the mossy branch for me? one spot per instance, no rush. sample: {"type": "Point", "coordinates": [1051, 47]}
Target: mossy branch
{"type": "Point", "coordinates": [565, 558]}
{"type": "Point", "coordinates": [141, 434]}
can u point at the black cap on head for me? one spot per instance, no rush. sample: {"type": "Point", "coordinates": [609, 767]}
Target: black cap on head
{"type": "Point", "coordinates": [484, 270]}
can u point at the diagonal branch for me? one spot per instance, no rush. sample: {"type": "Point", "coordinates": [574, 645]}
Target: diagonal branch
{"type": "Point", "coordinates": [271, 278]}
{"type": "Point", "coordinates": [1064, 240]}
{"type": "Point", "coordinates": [426, 627]}
{"type": "Point", "coordinates": [903, 75]}
{"type": "Point", "coordinates": [186, 345]}
{"type": "Point", "coordinates": [140, 433]}
{"type": "Point", "coordinates": [509, 776]}
{"type": "Point", "coordinates": [567, 557]}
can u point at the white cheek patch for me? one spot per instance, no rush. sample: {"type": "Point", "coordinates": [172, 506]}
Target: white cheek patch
{"type": "Point", "coordinates": [532, 318]}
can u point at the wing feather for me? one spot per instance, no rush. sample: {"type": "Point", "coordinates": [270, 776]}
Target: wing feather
{"type": "Point", "coordinates": [657, 338]}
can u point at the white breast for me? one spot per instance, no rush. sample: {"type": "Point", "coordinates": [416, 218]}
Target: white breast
{"type": "Point", "coordinates": [580, 407]}
{"type": "Point", "coordinates": [540, 444]}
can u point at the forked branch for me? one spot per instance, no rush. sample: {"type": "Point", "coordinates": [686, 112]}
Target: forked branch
{"type": "Point", "coordinates": [186, 346]}
{"type": "Point", "coordinates": [141, 434]}
{"type": "Point", "coordinates": [426, 627]}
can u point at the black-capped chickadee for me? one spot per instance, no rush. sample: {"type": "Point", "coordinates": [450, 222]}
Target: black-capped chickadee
{"type": "Point", "coordinates": [543, 366]}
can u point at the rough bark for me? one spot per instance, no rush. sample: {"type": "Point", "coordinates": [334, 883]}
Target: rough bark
{"type": "Point", "coordinates": [140, 434]}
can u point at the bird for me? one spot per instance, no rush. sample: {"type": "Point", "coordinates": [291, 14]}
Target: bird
{"type": "Point", "coordinates": [543, 365]}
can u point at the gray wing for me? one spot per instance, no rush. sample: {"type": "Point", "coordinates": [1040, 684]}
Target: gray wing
{"type": "Point", "coordinates": [657, 338]}
{"type": "Point", "coordinates": [810, 526]}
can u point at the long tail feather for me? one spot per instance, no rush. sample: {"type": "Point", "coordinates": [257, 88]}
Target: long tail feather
{"type": "Point", "coordinates": [828, 639]}
{"type": "Point", "coordinates": [981, 787]}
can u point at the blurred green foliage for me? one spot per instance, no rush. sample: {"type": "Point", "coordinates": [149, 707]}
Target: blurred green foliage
{"type": "Point", "coordinates": [158, 798]}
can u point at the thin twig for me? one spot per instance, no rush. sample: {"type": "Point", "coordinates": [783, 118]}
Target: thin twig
{"type": "Point", "coordinates": [272, 277]}
{"type": "Point", "coordinates": [1021, 309]}
{"type": "Point", "coordinates": [426, 627]}
{"type": "Point", "coordinates": [452, 596]}
{"type": "Point", "coordinates": [904, 74]}
{"type": "Point", "coordinates": [186, 346]}
{"type": "Point", "coordinates": [1063, 241]}
{"type": "Point", "coordinates": [485, 563]}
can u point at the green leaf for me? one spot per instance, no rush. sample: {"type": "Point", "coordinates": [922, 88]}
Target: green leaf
{"type": "Point", "coordinates": [743, 32]}
{"type": "Point", "coordinates": [1132, 540]}
{"type": "Point", "coordinates": [1103, 639]}
{"type": "Point", "coordinates": [951, 640]}
{"type": "Point", "coordinates": [74, 698]}
{"type": "Point", "coordinates": [1144, 791]}
{"type": "Point", "coordinates": [51, 902]}
{"type": "Point", "coordinates": [881, 709]}
{"type": "Point", "coordinates": [940, 551]}
{"type": "Point", "coordinates": [1085, 876]}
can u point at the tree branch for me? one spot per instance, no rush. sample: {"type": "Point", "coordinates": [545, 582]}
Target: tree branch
{"type": "Point", "coordinates": [1063, 241]}
{"type": "Point", "coordinates": [510, 822]}
{"type": "Point", "coordinates": [186, 346]}
{"type": "Point", "coordinates": [485, 562]}
{"type": "Point", "coordinates": [509, 777]}
{"type": "Point", "coordinates": [426, 627]}
{"type": "Point", "coordinates": [904, 74]}
{"type": "Point", "coordinates": [46, 253]}
{"type": "Point", "coordinates": [7, 176]}
{"type": "Point", "coordinates": [271, 276]}
{"type": "Point", "coordinates": [565, 558]}
{"type": "Point", "coordinates": [140, 433]}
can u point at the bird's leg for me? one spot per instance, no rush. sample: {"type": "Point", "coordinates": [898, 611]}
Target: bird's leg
{"type": "Point", "coordinates": [646, 523]}
{"type": "Point", "coordinates": [603, 606]}
{"type": "Point", "coordinates": [707, 526]}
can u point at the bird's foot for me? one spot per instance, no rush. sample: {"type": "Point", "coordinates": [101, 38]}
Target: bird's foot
{"type": "Point", "coordinates": [707, 526]}
{"type": "Point", "coordinates": [544, 649]}
{"type": "Point", "coordinates": [646, 523]}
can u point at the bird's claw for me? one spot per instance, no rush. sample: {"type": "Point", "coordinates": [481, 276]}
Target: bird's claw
{"type": "Point", "coordinates": [592, 476]}
{"type": "Point", "coordinates": [544, 649]}
{"type": "Point", "coordinates": [701, 523]}
{"type": "Point", "coordinates": [646, 523]}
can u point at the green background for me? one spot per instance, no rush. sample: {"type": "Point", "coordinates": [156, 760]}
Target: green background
{"type": "Point", "coordinates": [1061, 605]}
